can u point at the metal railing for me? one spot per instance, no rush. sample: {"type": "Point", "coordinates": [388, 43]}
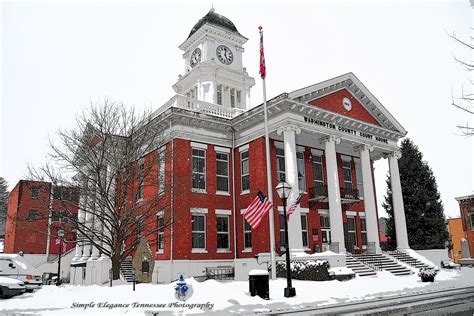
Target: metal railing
{"type": "Point", "coordinates": [318, 192]}
{"type": "Point", "coordinates": [220, 273]}
{"type": "Point", "coordinates": [349, 193]}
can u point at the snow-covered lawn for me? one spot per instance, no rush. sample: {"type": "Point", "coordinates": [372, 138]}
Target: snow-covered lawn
{"type": "Point", "coordinates": [223, 297]}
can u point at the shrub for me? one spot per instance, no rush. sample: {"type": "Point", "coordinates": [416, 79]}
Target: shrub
{"type": "Point", "coordinates": [314, 270]}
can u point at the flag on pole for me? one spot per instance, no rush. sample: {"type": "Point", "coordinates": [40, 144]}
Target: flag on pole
{"type": "Point", "coordinates": [263, 70]}
{"type": "Point", "coordinates": [257, 210]}
{"type": "Point", "coordinates": [293, 206]}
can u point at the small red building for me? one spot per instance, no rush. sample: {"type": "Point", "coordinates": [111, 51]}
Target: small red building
{"type": "Point", "coordinates": [466, 206]}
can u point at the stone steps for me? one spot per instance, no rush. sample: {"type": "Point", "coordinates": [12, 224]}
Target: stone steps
{"type": "Point", "coordinates": [384, 262]}
{"type": "Point", "coordinates": [358, 267]}
{"type": "Point", "coordinates": [406, 258]}
{"type": "Point", "coordinates": [126, 268]}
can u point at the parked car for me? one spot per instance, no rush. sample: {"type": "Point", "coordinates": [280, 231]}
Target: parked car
{"type": "Point", "coordinates": [10, 287]}
{"type": "Point", "coordinates": [16, 267]}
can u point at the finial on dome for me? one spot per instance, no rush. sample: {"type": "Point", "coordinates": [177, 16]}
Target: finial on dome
{"type": "Point", "coordinates": [212, 8]}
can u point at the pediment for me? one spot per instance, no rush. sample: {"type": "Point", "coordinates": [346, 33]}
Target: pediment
{"type": "Point", "coordinates": [364, 106]}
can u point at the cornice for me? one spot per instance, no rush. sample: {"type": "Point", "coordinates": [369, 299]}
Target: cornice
{"type": "Point", "coordinates": [213, 31]}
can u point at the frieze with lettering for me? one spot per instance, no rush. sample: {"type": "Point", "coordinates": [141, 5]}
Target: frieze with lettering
{"type": "Point", "coordinates": [345, 130]}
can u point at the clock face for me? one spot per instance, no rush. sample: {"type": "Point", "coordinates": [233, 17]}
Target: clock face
{"type": "Point", "coordinates": [195, 57]}
{"type": "Point", "coordinates": [224, 54]}
{"type": "Point", "coordinates": [347, 104]}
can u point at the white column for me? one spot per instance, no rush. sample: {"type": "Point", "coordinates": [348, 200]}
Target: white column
{"type": "Point", "coordinates": [88, 204]}
{"type": "Point", "coordinates": [79, 244]}
{"type": "Point", "coordinates": [334, 193]}
{"type": "Point", "coordinates": [291, 174]}
{"type": "Point", "coordinates": [397, 200]}
{"type": "Point", "coordinates": [97, 227]}
{"type": "Point", "coordinates": [369, 196]}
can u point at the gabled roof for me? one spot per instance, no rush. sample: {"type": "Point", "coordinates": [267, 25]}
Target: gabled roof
{"type": "Point", "coordinates": [364, 97]}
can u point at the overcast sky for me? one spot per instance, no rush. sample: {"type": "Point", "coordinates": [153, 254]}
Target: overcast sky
{"type": "Point", "coordinates": [59, 57]}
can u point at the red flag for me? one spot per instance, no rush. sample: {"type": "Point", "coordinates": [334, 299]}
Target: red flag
{"type": "Point", "coordinates": [293, 206]}
{"type": "Point", "coordinates": [263, 70]}
{"type": "Point", "coordinates": [257, 210]}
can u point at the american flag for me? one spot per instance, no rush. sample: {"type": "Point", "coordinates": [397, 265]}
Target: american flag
{"type": "Point", "coordinates": [293, 206]}
{"type": "Point", "coordinates": [263, 70]}
{"type": "Point", "coordinates": [257, 210]}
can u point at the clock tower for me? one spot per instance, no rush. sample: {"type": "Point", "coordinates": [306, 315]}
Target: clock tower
{"type": "Point", "coordinates": [213, 70]}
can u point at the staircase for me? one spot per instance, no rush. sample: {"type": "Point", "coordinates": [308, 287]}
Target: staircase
{"type": "Point", "coordinates": [358, 267]}
{"type": "Point", "coordinates": [383, 262]}
{"type": "Point", "coordinates": [126, 268]}
{"type": "Point", "coordinates": [406, 258]}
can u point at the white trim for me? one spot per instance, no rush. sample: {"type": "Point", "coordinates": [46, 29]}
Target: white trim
{"type": "Point", "coordinates": [304, 210]}
{"type": "Point", "coordinates": [245, 192]}
{"type": "Point", "coordinates": [223, 212]}
{"type": "Point", "coordinates": [346, 158]}
{"type": "Point", "coordinates": [351, 213]}
{"type": "Point", "coordinates": [244, 148]}
{"type": "Point", "coordinates": [222, 193]}
{"type": "Point", "coordinates": [160, 252]}
{"type": "Point", "coordinates": [198, 145]}
{"type": "Point", "coordinates": [242, 211]}
{"type": "Point", "coordinates": [323, 212]}
{"type": "Point", "coordinates": [223, 250]}
{"type": "Point", "coordinates": [198, 250]}
{"type": "Point", "coordinates": [279, 145]}
{"type": "Point", "coordinates": [222, 149]}
{"type": "Point", "coordinates": [198, 210]}
{"type": "Point", "coordinates": [300, 149]}
{"type": "Point", "coordinates": [356, 160]}
{"type": "Point", "coordinates": [160, 213]}
{"type": "Point", "coordinates": [361, 214]}
{"type": "Point", "coordinates": [317, 152]}
{"type": "Point", "coordinates": [247, 250]}
{"type": "Point", "coordinates": [199, 191]}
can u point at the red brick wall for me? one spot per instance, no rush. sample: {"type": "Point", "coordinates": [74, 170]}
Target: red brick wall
{"type": "Point", "coordinates": [333, 102]}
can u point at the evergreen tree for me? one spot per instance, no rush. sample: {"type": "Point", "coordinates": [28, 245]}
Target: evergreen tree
{"type": "Point", "coordinates": [424, 212]}
{"type": "Point", "coordinates": [3, 202]}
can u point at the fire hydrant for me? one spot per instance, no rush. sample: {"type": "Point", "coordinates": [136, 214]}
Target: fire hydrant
{"type": "Point", "coordinates": [181, 289]}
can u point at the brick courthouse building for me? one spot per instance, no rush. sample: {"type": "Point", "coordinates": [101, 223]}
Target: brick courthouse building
{"type": "Point", "coordinates": [323, 141]}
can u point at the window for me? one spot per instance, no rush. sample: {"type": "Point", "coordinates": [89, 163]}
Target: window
{"type": "Point", "coordinates": [239, 98]}
{"type": "Point", "coordinates": [33, 215]}
{"type": "Point", "coordinates": [232, 98]}
{"type": "Point", "coordinates": [351, 230]}
{"type": "Point", "coordinates": [222, 172]}
{"type": "Point", "coordinates": [219, 94]}
{"type": "Point", "coordinates": [471, 217]}
{"type": "Point", "coordinates": [301, 173]}
{"type": "Point", "coordinates": [347, 174]}
{"type": "Point", "coordinates": [141, 180]}
{"type": "Point", "coordinates": [318, 179]}
{"type": "Point", "coordinates": [247, 234]}
{"type": "Point", "coordinates": [282, 231]}
{"type": "Point", "coordinates": [363, 231]}
{"type": "Point", "coordinates": [161, 169]}
{"type": "Point", "coordinates": [160, 238]}
{"type": "Point", "coordinates": [280, 155]}
{"type": "Point", "coordinates": [34, 192]}
{"type": "Point", "coordinates": [139, 223]}
{"type": "Point", "coordinates": [199, 231]}
{"type": "Point", "coordinates": [360, 186]}
{"type": "Point", "coordinates": [199, 169]}
{"type": "Point", "coordinates": [244, 170]}
{"type": "Point", "coordinates": [325, 228]}
{"type": "Point", "coordinates": [223, 232]}
{"type": "Point", "coordinates": [304, 229]}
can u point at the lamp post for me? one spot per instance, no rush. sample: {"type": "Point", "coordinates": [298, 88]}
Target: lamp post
{"type": "Point", "coordinates": [60, 235]}
{"type": "Point", "coordinates": [283, 189]}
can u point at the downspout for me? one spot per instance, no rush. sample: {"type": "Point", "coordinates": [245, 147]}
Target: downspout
{"type": "Point", "coordinates": [233, 193]}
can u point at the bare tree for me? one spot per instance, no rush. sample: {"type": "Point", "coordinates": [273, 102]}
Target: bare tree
{"type": "Point", "coordinates": [465, 100]}
{"type": "Point", "coordinates": [111, 157]}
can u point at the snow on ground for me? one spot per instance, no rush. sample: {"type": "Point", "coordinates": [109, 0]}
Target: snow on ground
{"type": "Point", "coordinates": [222, 297]}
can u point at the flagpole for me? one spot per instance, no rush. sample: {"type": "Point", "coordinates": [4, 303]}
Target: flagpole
{"type": "Point", "coordinates": [269, 172]}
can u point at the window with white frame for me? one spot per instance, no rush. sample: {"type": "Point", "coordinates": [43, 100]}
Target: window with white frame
{"type": "Point", "coordinates": [318, 178]}
{"type": "Point", "coordinates": [360, 183]}
{"type": "Point", "coordinates": [304, 229]}
{"type": "Point", "coordinates": [325, 228]}
{"type": "Point", "coordinates": [244, 170]}
{"type": "Point", "coordinates": [219, 94]}
{"type": "Point", "coordinates": [347, 174]}
{"type": "Point", "coordinates": [351, 229]}
{"type": "Point", "coordinates": [161, 169]}
{"type": "Point", "coordinates": [223, 232]}
{"type": "Point", "coordinates": [199, 169]}
{"type": "Point", "coordinates": [232, 98]}
{"type": "Point", "coordinates": [199, 231]}
{"type": "Point", "coordinates": [280, 156]}
{"type": "Point", "coordinates": [247, 234]}
{"type": "Point", "coordinates": [471, 217]}
{"type": "Point", "coordinates": [222, 172]}
{"type": "Point", "coordinates": [160, 224]}
{"type": "Point", "coordinates": [282, 231]}
{"type": "Point", "coordinates": [238, 96]}
{"type": "Point", "coordinates": [141, 179]}
{"type": "Point", "coordinates": [301, 172]}
{"type": "Point", "coordinates": [363, 231]}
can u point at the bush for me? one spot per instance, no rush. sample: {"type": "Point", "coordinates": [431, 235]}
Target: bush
{"type": "Point", "coordinates": [313, 270]}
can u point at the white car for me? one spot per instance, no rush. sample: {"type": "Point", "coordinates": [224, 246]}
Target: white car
{"type": "Point", "coordinates": [10, 287]}
{"type": "Point", "coordinates": [14, 266]}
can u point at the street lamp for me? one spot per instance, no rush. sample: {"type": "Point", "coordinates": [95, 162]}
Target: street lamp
{"type": "Point", "coordinates": [60, 235]}
{"type": "Point", "coordinates": [283, 189]}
